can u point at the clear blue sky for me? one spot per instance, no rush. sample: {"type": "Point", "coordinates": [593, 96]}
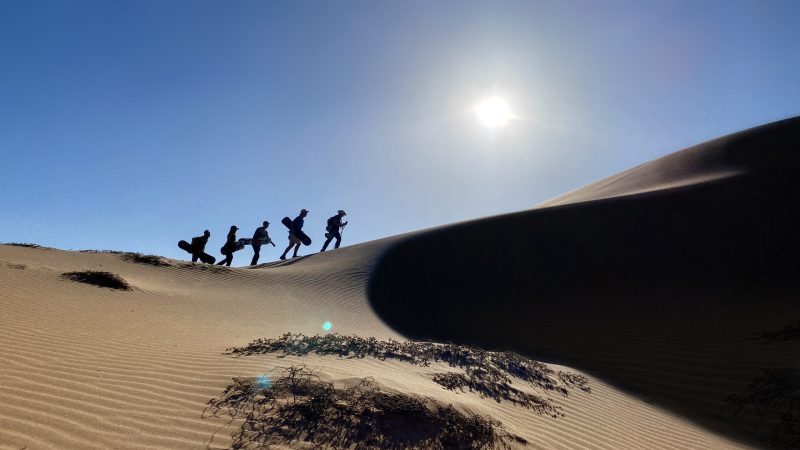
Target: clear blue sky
{"type": "Point", "coordinates": [130, 125]}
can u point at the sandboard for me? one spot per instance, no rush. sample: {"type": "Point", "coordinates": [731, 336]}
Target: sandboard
{"type": "Point", "coordinates": [304, 238]}
{"type": "Point", "coordinates": [204, 257]}
{"type": "Point", "coordinates": [249, 241]}
{"type": "Point", "coordinates": [238, 245]}
{"type": "Point", "coordinates": [287, 222]}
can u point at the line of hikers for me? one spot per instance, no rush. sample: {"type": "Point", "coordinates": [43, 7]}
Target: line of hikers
{"type": "Point", "coordinates": [261, 237]}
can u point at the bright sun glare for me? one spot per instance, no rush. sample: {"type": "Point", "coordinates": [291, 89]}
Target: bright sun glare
{"type": "Point", "coordinates": [494, 112]}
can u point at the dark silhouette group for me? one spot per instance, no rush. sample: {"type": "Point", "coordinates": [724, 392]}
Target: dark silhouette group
{"type": "Point", "coordinates": [297, 237]}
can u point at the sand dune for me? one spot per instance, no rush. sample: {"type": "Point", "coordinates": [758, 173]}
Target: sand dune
{"type": "Point", "coordinates": [651, 283]}
{"type": "Point", "coordinates": [90, 367]}
{"type": "Point", "coordinates": [654, 279]}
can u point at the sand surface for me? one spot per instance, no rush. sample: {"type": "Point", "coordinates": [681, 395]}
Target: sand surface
{"type": "Point", "coordinates": [90, 367]}
{"type": "Point", "coordinates": [649, 283]}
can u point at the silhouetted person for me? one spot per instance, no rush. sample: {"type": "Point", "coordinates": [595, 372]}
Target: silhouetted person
{"type": "Point", "coordinates": [229, 247]}
{"type": "Point", "coordinates": [261, 235]}
{"type": "Point", "coordinates": [199, 245]}
{"type": "Point", "coordinates": [294, 233]}
{"type": "Point", "coordinates": [334, 230]}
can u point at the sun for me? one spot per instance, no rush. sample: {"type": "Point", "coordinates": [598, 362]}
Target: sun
{"type": "Point", "coordinates": [494, 112]}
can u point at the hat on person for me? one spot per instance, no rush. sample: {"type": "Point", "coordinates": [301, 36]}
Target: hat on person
{"type": "Point", "coordinates": [207, 233]}
{"type": "Point", "coordinates": [265, 223]}
{"type": "Point", "coordinates": [234, 227]}
{"type": "Point", "coordinates": [342, 213]}
{"type": "Point", "coordinates": [303, 211]}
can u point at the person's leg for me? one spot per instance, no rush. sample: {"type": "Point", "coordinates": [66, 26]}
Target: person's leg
{"type": "Point", "coordinates": [195, 258]}
{"type": "Point", "coordinates": [256, 254]}
{"type": "Point", "coordinates": [338, 237]}
{"type": "Point", "coordinates": [228, 258]}
{"type": "Point", "coordinates": [283, 256]}
{"type": "Point", "coordinates": [327, 241]}
{"type": "Point", "coordinates": [296, 248]}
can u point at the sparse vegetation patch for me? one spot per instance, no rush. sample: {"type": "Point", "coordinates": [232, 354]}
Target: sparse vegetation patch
{"type": "Point", "coordinates": [23, 244]}
{"type": "Point", "coordinates": [790, 332]}
{"type": "Point", "coordinates": [491, 389]}
{"type": "Point", "coordinates": [487, 373]}
{"type": "Point", "coordinates": [298, 405]}
{"type": "Point", "coordinates": [152, 260]}
{"type": "Point", "coordinates": [99, 278]}
{"type": "Point", "coordinates": [774, 398]}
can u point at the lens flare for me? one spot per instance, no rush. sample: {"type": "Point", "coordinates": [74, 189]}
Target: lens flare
{"type": "Point", "coordinates": [327, 326]}
{"type": "Point", "coordinates": [264, 382]}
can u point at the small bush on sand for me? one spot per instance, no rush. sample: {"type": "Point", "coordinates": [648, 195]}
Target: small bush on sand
{"type": "Point", "coordinates": [298, 405]}
{"type": "Point", "coordinates": [790, 332]}
{"type": "Point", "coordinates": [98, 278]}
{"type": "Point", "coordinates": [497, 390]}
{"type": "Point", "coordinates": [23, 244]}
{"type": "Point", "coordinates": [152, 260]}
{"type": "Point", "coordinates": [774, 398]}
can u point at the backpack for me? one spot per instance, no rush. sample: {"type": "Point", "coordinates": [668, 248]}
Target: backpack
{"type": "Point", "coordinates": [331, 224]}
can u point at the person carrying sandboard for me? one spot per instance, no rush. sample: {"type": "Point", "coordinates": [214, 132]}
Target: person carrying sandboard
{"type": "Point", "coordinates": [261, 236]}
{"type": "Point", "coordinates": [333, 230]}
{"type": "Point", "coordinates": [229, 247]}
{"type": "Point", "coordinates": [197, 248]}
{"type": "Point", "coordinates": [296, 234]}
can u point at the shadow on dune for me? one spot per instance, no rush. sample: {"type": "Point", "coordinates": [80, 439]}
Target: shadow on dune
{"type": "Point", "coordinates": [652, 279]}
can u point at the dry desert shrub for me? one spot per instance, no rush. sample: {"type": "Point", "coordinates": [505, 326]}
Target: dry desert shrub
{"type": "Point", "coordinates": [23, 244]}
{"type": "Point", "coordinates": [790, 332]}
{"type": "Point", "coordinates": [151, 260]}
{"type": "Point", "coordinates": [774, 398]}
{"type": "Point", "coordinates": [497, 390]}
{"type": "Point", "coordinates": [487, 373]}
{"type": "Point", "coordinates": [98, 278]}
{"type": "Point", "coordinates": [299, 406]}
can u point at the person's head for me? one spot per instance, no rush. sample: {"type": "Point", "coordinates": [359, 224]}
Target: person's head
{"type": "Point", "coordinates": [234, 228]}
{"type": "Point", "coordinates": [342, 213]}
{"type": "Point", "coordinates": [266, 224]}
{"type": "Point", "coordinates": [206, 233]}
{"type": "Point", "coordinates": [303, 212]}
